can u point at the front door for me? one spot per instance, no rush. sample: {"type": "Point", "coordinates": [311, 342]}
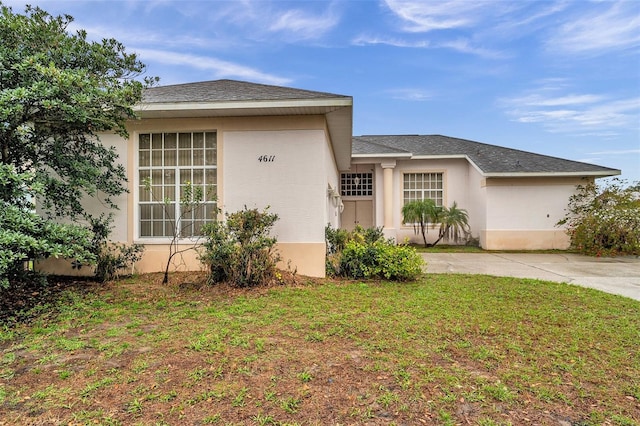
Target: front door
{"type": "Point", "coordinates": [356, 189]}
{"type": "Point", "coordinates": [357, 213]}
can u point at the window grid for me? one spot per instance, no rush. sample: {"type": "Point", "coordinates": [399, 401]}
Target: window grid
{"type": "Point", "coordinates": [420, 186]}
{"type": "Point", "coordinates": [356, 184]}
{"type": "Point", "coordinates": [171, 161]}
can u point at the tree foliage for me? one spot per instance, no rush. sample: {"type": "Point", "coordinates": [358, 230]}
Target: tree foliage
{"type": "Point", "coordinates": [26, 236]}
{"type": "Point", "coordinates": [604, 221]}
{"type": "Point", "coordinates": [452, 222]}
{"type": "Point", "coordinates": [57, 92]}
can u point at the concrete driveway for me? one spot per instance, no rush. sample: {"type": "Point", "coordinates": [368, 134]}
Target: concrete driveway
{"type": "Point", "coordinates": [617, 275]}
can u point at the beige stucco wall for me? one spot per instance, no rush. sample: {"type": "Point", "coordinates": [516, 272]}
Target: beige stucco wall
{"type": "Point", "coordinates": [294, 184]}
{"type": "Point", "coordinates": [522, 213]}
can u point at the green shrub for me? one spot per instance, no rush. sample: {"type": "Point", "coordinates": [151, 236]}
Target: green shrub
{"type": "Point", "coordinates": [111, 258]}
{"type": "Point", "coordinates": [240, 250]}
{"type": "Point", "coordinates": [604, 221]}
{"type": "Point", "coordinates": [365, 254]}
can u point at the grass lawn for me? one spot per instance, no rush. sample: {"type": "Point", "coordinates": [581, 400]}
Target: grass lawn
{"type": "Point", "coordinates": [447, 349]}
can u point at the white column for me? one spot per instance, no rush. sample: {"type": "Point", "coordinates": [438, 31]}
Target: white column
{"type": "Point", "coordinates": [387, 198]}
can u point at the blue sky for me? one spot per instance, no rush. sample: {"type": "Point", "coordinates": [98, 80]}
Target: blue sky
{"type": "Point", "coordinates": [560, 78]}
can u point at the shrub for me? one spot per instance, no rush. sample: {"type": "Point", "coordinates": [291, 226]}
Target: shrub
{"type": "Point", "coordinates": [240, 250]}
{"type": "Point", "coordinates": [604, 221]}
{"type": "Point", "coordinates": [111, 258]}
{"type": "Point", "coordinates": [365, 254]}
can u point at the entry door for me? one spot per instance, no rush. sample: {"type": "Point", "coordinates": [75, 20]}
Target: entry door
{"type": "Point", "coordinates": [357, 212]}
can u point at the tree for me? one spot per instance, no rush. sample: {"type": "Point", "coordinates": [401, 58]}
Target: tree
{"type": "Point", "coordinates": [24, 235]}
{"type": "Point", "coordinates": [57, 92]}
{"type": "Point", "coordinates": [421, 213]}
{"type": "Point", "coordinates": [454, 224]}
{"type": "Point", "coordinates": [604, 220]}
{"type": "Point", "coordinates": [193, 199]}
{"type": "Point", "coordinates": [453, 221]}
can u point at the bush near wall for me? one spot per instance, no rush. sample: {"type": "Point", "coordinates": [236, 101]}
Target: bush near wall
{"type": "Point", "coordinates": [605, 220]}
{"type": "Point", "coordinates": [365, 254]}
{"type": "Point", "coordinates": [240, 250]}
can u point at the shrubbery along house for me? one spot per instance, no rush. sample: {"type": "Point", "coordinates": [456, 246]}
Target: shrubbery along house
{"type": "Point", "coordinates": [258, 145]}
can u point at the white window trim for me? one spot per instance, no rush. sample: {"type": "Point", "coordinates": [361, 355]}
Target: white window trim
{"type": "Point", "coordinates": [445, 190]}
{"type": "Point", "coordinates": [137, 239]}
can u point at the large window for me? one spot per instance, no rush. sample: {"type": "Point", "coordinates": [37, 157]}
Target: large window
{"type": "Point", "coordinates": [170, 162]}
{"type": "Point", "coordinates": [356, 184]}
{"type": "Point", "coordinates": [420, 186]}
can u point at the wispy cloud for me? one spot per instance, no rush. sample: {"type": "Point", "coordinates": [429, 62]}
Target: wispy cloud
{"type": "Point", "coordinates": [363, 40]}
{"type": "Point", "coordinates": [218, 68]}
{"type": "Point", "coordinates": [460, 45]}
{"type": "Point", "coordinates": [304, 25]}
{"type": "Point", "coordinates": [421, 16]}
{"type": "Point", "coordinates": [574, 113]}
{"type": "Point", "coordinates": [616, 152]}
{"type": "Point", "coordinates": [407, 94]}
{"type": "Point", "coordinates": [612, 25]}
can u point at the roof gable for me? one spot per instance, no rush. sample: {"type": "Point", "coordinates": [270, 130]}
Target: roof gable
{"type": "Point", "coordinates": [491, 160]}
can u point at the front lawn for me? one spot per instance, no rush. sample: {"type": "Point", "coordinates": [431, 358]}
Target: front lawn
{"type": "Point", "coordinates": [448, 349]}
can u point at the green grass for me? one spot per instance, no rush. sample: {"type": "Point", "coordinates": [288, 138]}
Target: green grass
{"type": "Point", "coordinates": [444, 350]}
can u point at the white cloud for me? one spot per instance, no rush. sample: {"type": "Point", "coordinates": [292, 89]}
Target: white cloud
{"type": "Point", "coordinates": [303, 25]}
{"type": "Point", "coordinates": [425, 16]}
{"type": "Point", "coordinates": [364, 40]}
{"type": "Point", "coordinates": [574, 113]}
{"type": "Point", "coordinates": [410, 94]}
{"type": "Point", "coordinates": [615, 27]}
{"type": "Point", "coordinates": [616, 152]}
{"type": "Point", "coordinates": [219, 68]}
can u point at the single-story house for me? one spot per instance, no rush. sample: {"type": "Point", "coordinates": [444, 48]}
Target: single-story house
{"type": "Point", "coordinates": [258, 145]}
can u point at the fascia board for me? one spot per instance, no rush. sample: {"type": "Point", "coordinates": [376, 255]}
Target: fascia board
{"type": "Point", "coordinates": [552, 174]}
{"type": "Point", "coordinates": [374, 156]}
{"type": "Point", "coordinates": [222, 105]}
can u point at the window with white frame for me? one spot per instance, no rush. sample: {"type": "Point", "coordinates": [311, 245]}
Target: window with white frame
{"type": "Point", "coordinates": [420, 186]}
{"type": "Point", "coordinates": [170, 162]}
{"type": "Point", "coordinates": [356, 184]}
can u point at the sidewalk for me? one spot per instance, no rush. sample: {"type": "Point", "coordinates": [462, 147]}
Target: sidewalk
{"type": "Point", "coordinates": [617, 275]}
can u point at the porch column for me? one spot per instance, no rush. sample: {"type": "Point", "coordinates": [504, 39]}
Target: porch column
{"type": "Point", "coordinates": [387, 197]}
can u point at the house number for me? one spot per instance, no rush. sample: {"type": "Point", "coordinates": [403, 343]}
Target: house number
{"type": "Point", "coordinates": [267, 158]}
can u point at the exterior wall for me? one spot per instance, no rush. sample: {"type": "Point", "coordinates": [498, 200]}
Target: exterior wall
{"type": "Point", "coordinates": [477, 199]}
{"type": "Point", "coordinates": [522, 213]}
{"type": "Point", "coordinates": [294, 185]}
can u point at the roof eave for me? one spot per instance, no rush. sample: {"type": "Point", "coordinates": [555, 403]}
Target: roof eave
{"type": "Point", "coordinates": [198, 108]}
{"type": "Point", "coordinates": [592, 173]}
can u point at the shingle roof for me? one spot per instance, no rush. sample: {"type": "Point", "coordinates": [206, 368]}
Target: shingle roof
{"type": "Point", "coordinates": [490, 159]}
{"type": "Point", "coordinates": [228, 90]}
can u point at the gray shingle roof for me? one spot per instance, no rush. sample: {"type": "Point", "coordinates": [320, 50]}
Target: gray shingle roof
{"type": "Point", "coordinates": [489, 159]}
{"type": "Point", "coordinates": [228, 90]}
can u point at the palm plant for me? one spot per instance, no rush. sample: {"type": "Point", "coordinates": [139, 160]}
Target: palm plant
{"type": "Point", "coordinates": [421, 213]}
{"type": "Point", "coordinates": [454, 221]}
{"type": "Point", "coordinates": [454, 224]}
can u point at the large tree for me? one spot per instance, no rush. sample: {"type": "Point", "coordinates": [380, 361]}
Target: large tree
{"type": "Point", "coordinates": [58, 91]}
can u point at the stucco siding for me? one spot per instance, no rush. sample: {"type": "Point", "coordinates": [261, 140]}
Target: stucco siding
{"type": "Point", "coordinates": [522, 213]}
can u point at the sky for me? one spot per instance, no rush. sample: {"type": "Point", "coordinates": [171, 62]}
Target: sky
{"type": "Point", "coordinates": [559, 78]}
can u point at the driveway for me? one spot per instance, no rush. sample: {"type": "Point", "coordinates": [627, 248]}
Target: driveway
{"type": "Point", "coordinates": [617, 275]}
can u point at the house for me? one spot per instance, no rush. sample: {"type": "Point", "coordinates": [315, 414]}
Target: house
{"type": "Point", "coordinates": [514, 198]}
{"type": "Point", "coordinates": [258, 145]}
